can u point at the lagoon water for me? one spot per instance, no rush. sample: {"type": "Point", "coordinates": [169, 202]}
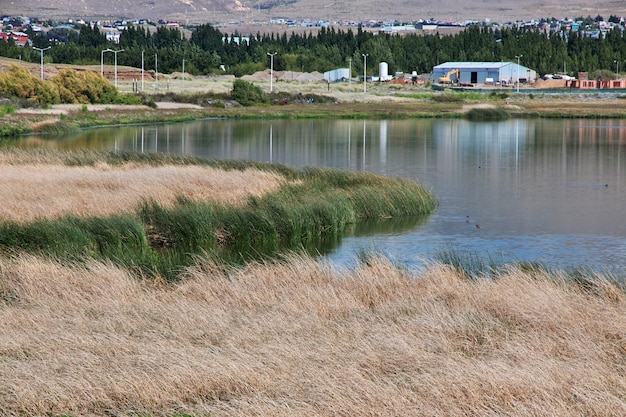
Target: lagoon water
{"type": "Point", "coordinates": [549, 191]}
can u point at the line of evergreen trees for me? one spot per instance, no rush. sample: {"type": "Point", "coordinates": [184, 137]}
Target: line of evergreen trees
{"type": "Point", "coordinates": [207, 49]}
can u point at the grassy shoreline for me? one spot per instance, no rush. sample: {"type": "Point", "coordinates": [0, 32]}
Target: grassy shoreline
{"type": "Point", "coordinates": [157, 235]}
{"type": "Point", "coordinates": [378, 106]}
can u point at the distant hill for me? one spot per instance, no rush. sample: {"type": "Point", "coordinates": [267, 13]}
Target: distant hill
{"type": "Point", "coordinates": [223, 11]}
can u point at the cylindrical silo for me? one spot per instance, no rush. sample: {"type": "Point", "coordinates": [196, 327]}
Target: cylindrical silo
{"type": "Point", "coordinates": [383, 71]}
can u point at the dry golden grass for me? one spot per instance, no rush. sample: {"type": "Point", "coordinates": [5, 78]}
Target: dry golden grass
{"type": "Point", "coordinates": [302, 338]}
{"type": "Point", "coordinates": [50, 190]}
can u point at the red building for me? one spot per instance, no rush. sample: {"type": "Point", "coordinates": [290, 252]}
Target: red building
{"type": "Point", "coordinates": [20, 38]}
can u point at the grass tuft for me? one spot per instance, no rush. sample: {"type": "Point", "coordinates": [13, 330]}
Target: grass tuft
{"type": "Point", "coordinates": [487, 114]}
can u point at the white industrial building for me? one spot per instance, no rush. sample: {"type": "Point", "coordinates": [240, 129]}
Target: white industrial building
{"type": "Point", "coordinates": [338, 74]}
{"type": "Point", "coordinates": [484, 72]}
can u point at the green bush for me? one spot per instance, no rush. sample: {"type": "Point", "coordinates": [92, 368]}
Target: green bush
{"type": "Point", "coordinates": [84, 87]}
{"type": "Point", "coordinates": [487, 114]}
{"type": "Point", "coordinates": [248, 94]}
{"type": "Point", "coordinates": [69, 86]}
{"type": "Point", "coordinates": [19, 82]}
{"type": "Point", "coordinates": [60, 127]}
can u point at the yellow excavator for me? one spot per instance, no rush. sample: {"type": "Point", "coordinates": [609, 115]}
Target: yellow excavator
{"type": "Point", "coordinates": [446, 78]}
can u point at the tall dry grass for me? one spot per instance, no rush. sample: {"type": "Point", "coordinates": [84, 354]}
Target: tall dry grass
{"type": "Point", "coordinates": [30, 191]}
{"type": "Point", "coordinates": [302, 338]}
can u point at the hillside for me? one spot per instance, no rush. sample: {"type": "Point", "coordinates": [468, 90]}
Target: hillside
{"type": "Point", "coordinates": [221, 11]}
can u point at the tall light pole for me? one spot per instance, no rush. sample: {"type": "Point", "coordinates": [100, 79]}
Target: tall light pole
{"type": "Point", "coordinates": [102, 60]}
{"type": "Point", "coordinates": [350, 75]}
{"type": "Point", "coordinates": [41, 51]}
{"type": "Point", "coordinates": [365, 73]}
{"type": "Point", "coordinates": [616, 69]}
{"type": "Point", "coordinates": [142, 70]}
{"type": "Point", "coordinates": [116, 52]}
{"type": "Point", "coordinates": [183, 75]}
{"type": "Point", "coordinates": [271, 69]}
{"type": "Point", "coordinates": [518, 57]}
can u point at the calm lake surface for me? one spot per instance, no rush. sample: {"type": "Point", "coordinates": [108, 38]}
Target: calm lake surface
{"type": "Point", "coordinates": [550, 191]}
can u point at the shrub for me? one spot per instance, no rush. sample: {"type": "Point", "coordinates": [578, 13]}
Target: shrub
{"type": "Point", "coordinates": [248, 94]}
{"type": "Point", "coordinates": [69, 86]}
{"type": "Point", "coordinates": [499, 95]}
{"type": "Point", "coordinates": [19, 82]}
{"type": "Point", "coordinates": [84, 87]}
{"type": "Point", "coordinates": [487, 114]}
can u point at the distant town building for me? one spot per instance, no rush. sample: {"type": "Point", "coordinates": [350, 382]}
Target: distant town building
{"type": "Point", "coordinates": [506, 73]}
{"type": "Point", "coordinates": [20, 38]}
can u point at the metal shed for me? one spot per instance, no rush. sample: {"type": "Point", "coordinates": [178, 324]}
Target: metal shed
{"type": "Point", "coordinates": [337, 75]}
{"type": "Point", "coordinates": [485, 72]}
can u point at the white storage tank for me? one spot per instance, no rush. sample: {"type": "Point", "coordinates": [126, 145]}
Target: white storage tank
{"type": "Point", "coordinates": [383, 71]}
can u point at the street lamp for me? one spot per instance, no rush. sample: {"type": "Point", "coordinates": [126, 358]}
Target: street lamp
{"type": "Point", "coordinates": [102, 60]}
{"type": "Point", "coordinates": [518, 57]}
{"type": "Point", "coordinates": [616, 69]}
{"type": "Point", "coordinates": [350, 74]}
{"type": "Point", "coordinates": [365, 73]}
{"type": "Point", "coordinates": [271, 70]}
{"type": "Point", "coordinates": [116, 52]}
{"type": "Point", "coordinates": [41, 51]}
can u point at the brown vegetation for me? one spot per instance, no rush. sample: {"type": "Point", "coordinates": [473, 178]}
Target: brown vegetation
{"type": "Point", "coordinates": [301, 338]}
{"type": "Point", "coordinates": [50, 189]}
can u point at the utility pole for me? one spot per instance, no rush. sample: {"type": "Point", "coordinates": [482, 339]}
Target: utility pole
{"type": "Point", "coordinates": [350, 75]}
{"type": "Point", "coordinates": [271, 69]}
{"type": "Point", "coordinates": [518, 57]}
{"type": "Point", "coordinates": [41, 51]}
{"type": "Point", "coordinates": [116, 52]}
{"type": "Point", "coordinates": [365, 73]}
{"type": "Point", "coordinates": [102, 60]}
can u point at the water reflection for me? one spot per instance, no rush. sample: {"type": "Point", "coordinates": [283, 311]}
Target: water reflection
{"type": "Point", "coordinates": [542, 190]}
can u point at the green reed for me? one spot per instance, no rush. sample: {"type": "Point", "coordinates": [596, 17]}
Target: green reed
{"type": "Point", "coordinates": [160, 240]}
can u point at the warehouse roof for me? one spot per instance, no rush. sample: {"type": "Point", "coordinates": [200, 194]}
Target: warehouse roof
{"type": "Point", "coordinates": [461, 65]}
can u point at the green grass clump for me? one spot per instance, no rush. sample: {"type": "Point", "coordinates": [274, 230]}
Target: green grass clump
{"type": "Point", "coordinates": [320, 207]}
{"type": "Point", "coordinates": [4, 110]}
{"type": "Point", "coordinates": [9, 130]}
{"type": "Point", "coordinates": [499, 95]}
{"type": "Point", "coordinates": [448, 98]}
{"type": "Point", "coordinates": [487, 114]}
{"type": "Point", "coordinates": [60, 127]}
{"type": "Point", "coordinates": [417, 96]}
